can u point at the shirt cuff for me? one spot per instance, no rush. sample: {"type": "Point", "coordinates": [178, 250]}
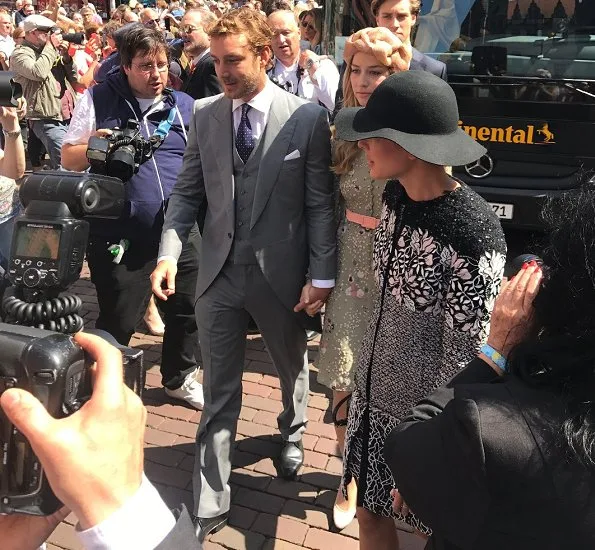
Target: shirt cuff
{"type": "Point", "coordinates": [323, 283]}
{"type": "Point", "coordinates": [142, 523]}
{"type": "Point", "coordinates": [170, 258]}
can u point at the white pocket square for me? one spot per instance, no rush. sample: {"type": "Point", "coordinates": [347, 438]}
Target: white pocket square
{"type": "Point", "coordinates": [293, 155]}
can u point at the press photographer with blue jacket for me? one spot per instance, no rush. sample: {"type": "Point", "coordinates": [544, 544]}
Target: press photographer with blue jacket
{"type": "Point", "coordinates": [138, 91]}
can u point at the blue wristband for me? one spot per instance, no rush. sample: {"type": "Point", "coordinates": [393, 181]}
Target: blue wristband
{"type": "Point", "coordinates": [495, 356]}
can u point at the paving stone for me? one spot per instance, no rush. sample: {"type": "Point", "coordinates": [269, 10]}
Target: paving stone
{"type": "Point", "coordinates": [306, 513]}
{"type": "Point", "coordinates": [246, 413]}
{"type": "Point", "coordinates": [171, 411]}
{"type": "Point", "coordinates": [320, 478]}
{"type": "Point", "coordinates": [242, 517]}
{"type": "Point", "coordinates": [250, 479]}
{"type": "Point", "coordinates": [253, 429]}
{"type": "Point", "coordinates": [262, 502]}
{"type": "Point", "coordinates": [280, 528]}
{"type": "Point", "coordinates": [292, 490]}
{"type": "Point", "coordinates": [166, 475]}
{"type": "Point", "coordinates": [165, 456]}
{"type": "Point", "coordinates": [179, 427]}
{"type": "Point", "coordinates": [314, 459]}
{"type": "Point", "coordinates": [324, 540]}
{"type": "Point", "coordinates": [327, 446]}
{"type": "Point", "coordinates": [335, 465]}
{"type": "Point", "coordinates": [157, 437]}
{"type": "Point", "coordinates": [276, 544]}
{"type": "Point", "coordinates": [309, 441]}
{"type": "Point", "coordinates": [321, 429]}
{"type": "Point", "coordinates": [260, 403]}
{"type": "Point", "coordinates": [238, 539]}
{"type": "Point", "coordinates": [254, 388]}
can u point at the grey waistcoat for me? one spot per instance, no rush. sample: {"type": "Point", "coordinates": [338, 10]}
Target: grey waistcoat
{"type": "Point", "coordinates": [245, 176]}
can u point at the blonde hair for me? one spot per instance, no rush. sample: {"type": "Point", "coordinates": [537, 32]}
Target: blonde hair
{"type": "Point", "coordinates": [251, 23]}
{"type": "Point", "coordinates": [391, 53]}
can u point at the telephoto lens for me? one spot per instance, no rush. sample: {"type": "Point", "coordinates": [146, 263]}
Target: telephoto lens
{"type": "Point", "coordinates": [74, 37]}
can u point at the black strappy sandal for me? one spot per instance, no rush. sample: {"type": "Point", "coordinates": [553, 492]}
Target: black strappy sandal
{"type": "Point", "coordinates": [343, 421]}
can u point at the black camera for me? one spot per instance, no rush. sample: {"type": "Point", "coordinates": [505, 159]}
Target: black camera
{"type": "Point", "coordinates": [122, 152]}
{"type": "Point", "coordinates": [10, 91]}
{"type": "Point", "coordinates": [49, 240]}
{"type": "Point", "coordinates": [56, 370]}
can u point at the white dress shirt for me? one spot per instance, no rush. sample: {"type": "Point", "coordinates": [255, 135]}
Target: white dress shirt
{"type": "Point", "coordinates": [7, 45]}
{"type": "Point", "coordinates": [142, 523]}
{"type": "Point", "coordinates": [323, 89]}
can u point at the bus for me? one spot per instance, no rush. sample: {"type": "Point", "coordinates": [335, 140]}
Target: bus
{"type": "Point", "coordinates": [524, 75]}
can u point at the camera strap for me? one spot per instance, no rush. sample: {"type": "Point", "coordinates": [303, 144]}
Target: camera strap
{"type": "Point", "coordinates": [165, 125]}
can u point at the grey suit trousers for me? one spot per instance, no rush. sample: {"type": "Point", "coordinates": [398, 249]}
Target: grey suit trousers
{"type": "Point", "coordinates": [222, 315]}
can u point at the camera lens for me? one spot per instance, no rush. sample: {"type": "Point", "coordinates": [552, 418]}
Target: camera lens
{"type": "Point", "coordinates": [90, 197]}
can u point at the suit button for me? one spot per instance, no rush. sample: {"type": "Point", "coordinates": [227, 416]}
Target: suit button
{"type": "Point", "coordinates": [240, 224]}
{"type": "Point", "coordinates": [229, 235]}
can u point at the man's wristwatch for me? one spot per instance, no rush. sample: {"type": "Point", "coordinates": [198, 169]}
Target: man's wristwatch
{"type": "Point", "coordinates": [13, 135]}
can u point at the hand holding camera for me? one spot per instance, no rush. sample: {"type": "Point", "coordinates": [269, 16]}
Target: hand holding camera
{"type": "Point", "coordinates": [92, 459]}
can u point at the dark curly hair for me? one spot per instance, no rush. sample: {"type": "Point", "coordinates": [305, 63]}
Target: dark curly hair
{"type": "Point", "coordinates": [559, 354]}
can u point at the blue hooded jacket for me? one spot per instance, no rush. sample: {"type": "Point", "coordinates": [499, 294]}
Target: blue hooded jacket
{"type": "Point", "coordinates": [147, 192]}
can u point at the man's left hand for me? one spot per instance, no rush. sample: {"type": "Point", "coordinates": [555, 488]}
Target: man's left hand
{"type": "Point", "coordinates": [311, 298]}
{"type": "Point", "coordinates": [21, 532]}
{"type": "Point", "coordinates": [9, 116]}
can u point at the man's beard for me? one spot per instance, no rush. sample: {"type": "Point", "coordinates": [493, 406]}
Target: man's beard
{"type": "Point", "coordinates": [246, 86]}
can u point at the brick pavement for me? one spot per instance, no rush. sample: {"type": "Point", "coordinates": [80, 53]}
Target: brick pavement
{"type": "Point", "coordinates": [267, 513]}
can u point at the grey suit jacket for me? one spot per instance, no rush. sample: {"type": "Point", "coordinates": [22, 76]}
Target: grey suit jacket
{"type": "Point", "coordinates": [292, 226]}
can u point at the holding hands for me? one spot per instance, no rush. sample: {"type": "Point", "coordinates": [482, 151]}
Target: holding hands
{"type": "Point", "coordinates": [312, 299]}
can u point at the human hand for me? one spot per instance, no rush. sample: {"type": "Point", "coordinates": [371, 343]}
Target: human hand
{"type": "Point", "coordinates": [94, 46]}
{"type": "Point", "coordinates": [310, 298]}
{"type": "Point", "coordinates": [513, 311]}
{"type": "Point", "coordinates": [399, 505]}
{"type": "Point", "coordinates": [22, 532]}
{"type": "Point", "coordinates": [165, 272]}
{"type": "Point", "coordinates": [103, 132]}
{"type": "Point", "coordinates": [305, 55]}
{"type": "Point", "coordinates": [9, 116]}
{"type": "Point", "coordinates": [56, 39]}
{"type": "Point", "coordinates": [92, 459]}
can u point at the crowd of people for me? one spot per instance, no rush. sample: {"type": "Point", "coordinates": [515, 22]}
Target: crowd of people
{"type": "Point", "coordinates": [291, 189]}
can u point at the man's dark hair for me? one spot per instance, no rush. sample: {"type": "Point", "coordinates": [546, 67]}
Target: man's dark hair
{"type": "Point", "coordinates": [141, 40]}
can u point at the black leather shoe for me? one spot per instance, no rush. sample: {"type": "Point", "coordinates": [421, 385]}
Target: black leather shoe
{"type": "Point", "coordinates": [203, 527]}
{"type": "Point", "coordinates": [290, 460]}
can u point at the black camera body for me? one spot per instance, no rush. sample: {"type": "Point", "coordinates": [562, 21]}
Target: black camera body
{"type": "Point", "coordinates": [49, 240]}
{"type": "Point", "coordinates": [53, 368]}
{"type": "Point", "coordinates": [122, 152]}
{"type": "Point", "coordinates": [56, 370]}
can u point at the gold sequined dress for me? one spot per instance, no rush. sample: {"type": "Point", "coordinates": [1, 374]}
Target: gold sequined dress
{"type": "Point", "coordinates": [351, 302]}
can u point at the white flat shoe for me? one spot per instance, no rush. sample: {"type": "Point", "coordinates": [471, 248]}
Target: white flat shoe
{"type": "Point", "coordinates": [342, 518]}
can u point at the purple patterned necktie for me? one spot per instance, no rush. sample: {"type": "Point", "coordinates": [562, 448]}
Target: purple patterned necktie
{"type": "Point", "coordinates": [244, 137]}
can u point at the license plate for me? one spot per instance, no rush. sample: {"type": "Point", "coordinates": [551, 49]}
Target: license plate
{"type": "Point", "coordinates": [503, 211]}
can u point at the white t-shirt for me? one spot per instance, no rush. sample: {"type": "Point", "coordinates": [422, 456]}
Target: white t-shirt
{"type": "Point", "coordinates": [82, 124]}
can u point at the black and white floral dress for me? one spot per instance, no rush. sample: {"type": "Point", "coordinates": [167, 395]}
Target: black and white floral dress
{"type": "Point", "coordinates": [438, 265]}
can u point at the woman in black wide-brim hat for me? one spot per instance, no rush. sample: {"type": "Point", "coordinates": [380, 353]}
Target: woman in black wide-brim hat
{"type": "Point", "coordinates": [439, 256]}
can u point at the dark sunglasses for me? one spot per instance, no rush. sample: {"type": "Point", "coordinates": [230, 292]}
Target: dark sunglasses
{"type": "Point", "coordinates": [307, 26]}
{"type": "Point", "coordinates": [152, 23]}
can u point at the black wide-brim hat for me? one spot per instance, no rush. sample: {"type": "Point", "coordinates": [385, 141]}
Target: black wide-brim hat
{"type": "Point", "coordinates": [417, 111]}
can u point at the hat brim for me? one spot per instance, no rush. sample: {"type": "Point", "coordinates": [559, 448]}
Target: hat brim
{"type": "Point", "coordinates": [455, 149]}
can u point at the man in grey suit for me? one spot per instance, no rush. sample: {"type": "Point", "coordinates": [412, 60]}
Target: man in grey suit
{"type": "Point", "coordinates": [260, 157]}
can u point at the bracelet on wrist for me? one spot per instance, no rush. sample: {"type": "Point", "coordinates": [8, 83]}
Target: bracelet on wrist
{"type": "Point", "coordinates": [495, 356]}
{"type": "Point", "coordinates": [13, 135]}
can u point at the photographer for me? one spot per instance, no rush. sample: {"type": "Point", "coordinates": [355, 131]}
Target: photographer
{"type": "Point", "coordinates": [33, 63]}
{"type": "Point", "coordinates": [138, 92]}
{"type": "Point", "coordinates": [93, 461]}
{"type": "Point", "coordinates": [302, 73]}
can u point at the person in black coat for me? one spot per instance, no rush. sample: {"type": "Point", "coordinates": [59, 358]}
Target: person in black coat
{"type": "Point", "coordinates": [504, 455]}
{"type": "Point", "coordinates": [201, 79]}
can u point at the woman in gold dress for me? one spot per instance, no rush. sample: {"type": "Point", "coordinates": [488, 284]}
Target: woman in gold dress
{"type": "Point", "coordinates": [370, 55]}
